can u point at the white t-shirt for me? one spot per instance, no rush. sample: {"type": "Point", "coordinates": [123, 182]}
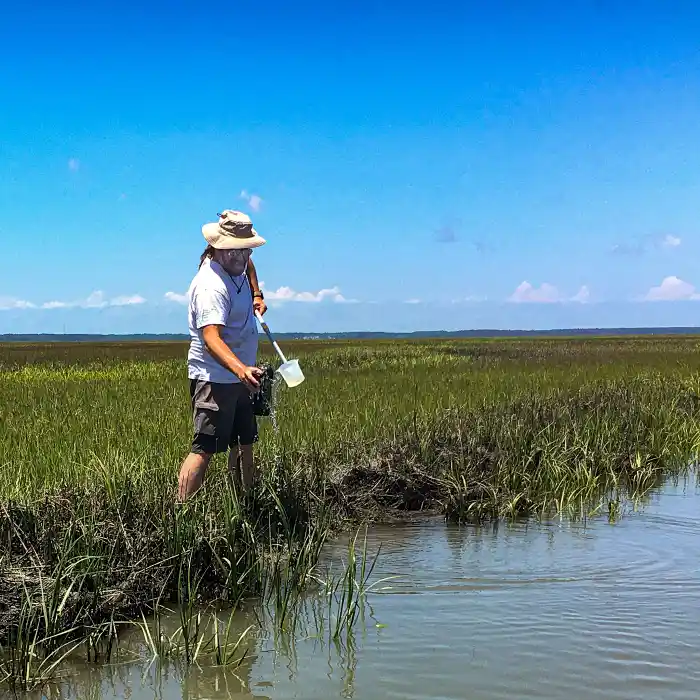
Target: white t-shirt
{"type": "Point", "coordinates": [214, 297]}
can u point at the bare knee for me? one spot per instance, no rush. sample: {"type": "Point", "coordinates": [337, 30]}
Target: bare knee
{"type": "Point", "coordinates": [192, 473]}
{"type": "Point", "coordinates": [197, 461]}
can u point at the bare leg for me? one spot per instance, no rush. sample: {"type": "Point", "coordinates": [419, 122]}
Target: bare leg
{"type": "Point", "coordinates": [247, 466]}
{"type": "Point", "coordinates": [192, 474]}
{"type": "Point", "coordinates": [234, 469]}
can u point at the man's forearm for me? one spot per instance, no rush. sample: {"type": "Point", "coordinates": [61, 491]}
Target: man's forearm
{"type": "Point", "coordinates": [222, 353]}
{"type": "Point", "coordinates": [258, 299]}
{"type": "Point", "coordinates": [253, 278]}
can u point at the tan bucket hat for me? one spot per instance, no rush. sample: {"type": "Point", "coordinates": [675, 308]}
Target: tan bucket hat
{"type": "Point", "coordinates": [234, 230]}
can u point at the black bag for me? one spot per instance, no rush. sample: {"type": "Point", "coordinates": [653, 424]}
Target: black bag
{"type": "Point", "coordinates": [262, 399]}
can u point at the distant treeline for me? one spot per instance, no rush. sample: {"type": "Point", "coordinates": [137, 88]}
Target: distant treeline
{"type": "Point", "coordinates": [355, 335]}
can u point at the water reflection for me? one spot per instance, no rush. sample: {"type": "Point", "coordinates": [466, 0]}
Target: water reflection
{"type": "Point", "coordinates": [584, 609]}
{"type": "Point", "coordinates": [220, 683]}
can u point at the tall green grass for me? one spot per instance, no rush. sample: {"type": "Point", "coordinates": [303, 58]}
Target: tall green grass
{"type": "Point", "coordinates": [93, 435]}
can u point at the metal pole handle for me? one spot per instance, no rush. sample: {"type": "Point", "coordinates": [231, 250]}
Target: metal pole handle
{"type": "Point", "coordinates": [269, 335]}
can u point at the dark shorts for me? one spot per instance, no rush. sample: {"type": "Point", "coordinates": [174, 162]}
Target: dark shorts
{"type": "Point", "coordinates": [223, 416]}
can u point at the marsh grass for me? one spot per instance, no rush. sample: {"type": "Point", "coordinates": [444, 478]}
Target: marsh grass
{"type": "Point", "coordinates": [93, 435]}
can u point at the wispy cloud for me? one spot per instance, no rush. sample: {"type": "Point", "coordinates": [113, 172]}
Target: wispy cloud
{"type": "Point", "coordinates": [526, 293]}
{"type": "Point", "coordinates": [672, 289]}
{"type": "Point", "coordinates": [133, 300]}
{"type": "Point", "coordinates": [468, 299]}
{"type": "Point", "coordinates": [96, 300]}
{"type": "Point", "coordinates": [254, 200]}
{"type": "Point", "coordinates": [9, 303]}
{"type": "Point", "coordinates": [73, 165]}
{"type": "Point", "coordinates": [175, 297]}
{"type": "Point", "coordinates": [640, 245]}
{"type": "Point", "coordinates": [628, 249]}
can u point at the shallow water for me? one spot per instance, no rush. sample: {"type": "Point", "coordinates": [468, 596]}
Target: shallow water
{"type": "Point", "coordinates": [552, 610]}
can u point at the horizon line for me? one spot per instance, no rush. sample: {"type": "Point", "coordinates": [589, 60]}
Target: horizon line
{"type": "Point", "coordinates": [627, 330]}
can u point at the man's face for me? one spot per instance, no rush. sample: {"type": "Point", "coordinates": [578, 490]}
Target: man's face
{"type": "Point", "coordinates": [234, 262]}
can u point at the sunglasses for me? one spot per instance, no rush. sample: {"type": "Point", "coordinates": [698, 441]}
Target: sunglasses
{"type": "Point", "coordinates": [237, 252]}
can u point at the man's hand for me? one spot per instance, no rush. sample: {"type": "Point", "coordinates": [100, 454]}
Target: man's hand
{"type": "Point", "coordinates": [250, 377]}
{"type": "Point", "coordinates": [259, 305]}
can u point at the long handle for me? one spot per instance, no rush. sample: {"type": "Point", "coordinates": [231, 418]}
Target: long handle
{"type": "Point", "coordinates": [269, 335]}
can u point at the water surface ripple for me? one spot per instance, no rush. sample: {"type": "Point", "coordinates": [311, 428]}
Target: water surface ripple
{"type": "Point", "coordinates": [555, 610]}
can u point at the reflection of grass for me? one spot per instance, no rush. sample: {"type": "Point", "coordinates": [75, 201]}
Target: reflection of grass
{"type": "Point", "coordinates": [200, 636]}
{"type": "Point", "coordinates": [93, 436]}
{"type": "Point", "coordinates": [347, 593]}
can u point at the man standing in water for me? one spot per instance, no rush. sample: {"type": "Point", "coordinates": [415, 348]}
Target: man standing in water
{"type": "Point", "coordinates": [223, 350]}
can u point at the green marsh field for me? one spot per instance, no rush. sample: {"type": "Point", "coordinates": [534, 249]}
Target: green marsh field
{"type": "Point", "coordinates": [92, 437]}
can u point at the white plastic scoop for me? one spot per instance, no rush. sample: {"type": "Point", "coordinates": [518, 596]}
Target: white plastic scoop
{"type": "Point", "coordinates": [289, 369]}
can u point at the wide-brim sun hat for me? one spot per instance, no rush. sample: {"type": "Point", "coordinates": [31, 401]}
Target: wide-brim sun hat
{"type": "Point", "coordinates": [233, 231]}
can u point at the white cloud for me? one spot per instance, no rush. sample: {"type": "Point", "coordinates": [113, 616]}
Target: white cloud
{"type": "Point", "coordinates": [282, 294]}
{"type": "Point", "coordinates": [132, 300]}
{"type": "Point", "coordinates": [672, 289]}
{"type": "Point", "coordinates": [175, 297]}
{"type": "Point", "coordinates": [96, 300]}
{"type": "Point", "coordinates": [413, 301]}
{"type": "Point", "coordinates": [73, 164]}
{"type": "Point", "coordinates": [546, 293]}
{"type": "Point", "coordinates": [10, 303]}
{"type": "Point", "coordinates": [289, 294]}
{"type": "Point", "coordinates": [468, 300]}
{"type": "Point", "coordinates": [526, 293]}
{"type": "Point", "coordinates": [640, 245]}
{"type": "Point", "coordinates": [582, 296]}
{"type": "Point", "coordinates": [254, 200]}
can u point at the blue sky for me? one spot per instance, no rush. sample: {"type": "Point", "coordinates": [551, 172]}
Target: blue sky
{"type": "Point", "coordinates": [413, 166]}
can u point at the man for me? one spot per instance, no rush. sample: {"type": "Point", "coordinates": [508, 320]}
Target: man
{"type": "Point", "coordinates": [222, 354]}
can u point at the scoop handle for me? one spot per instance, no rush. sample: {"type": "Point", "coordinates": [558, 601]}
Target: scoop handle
{"type": "Point", "coordinates": [269, 335]}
